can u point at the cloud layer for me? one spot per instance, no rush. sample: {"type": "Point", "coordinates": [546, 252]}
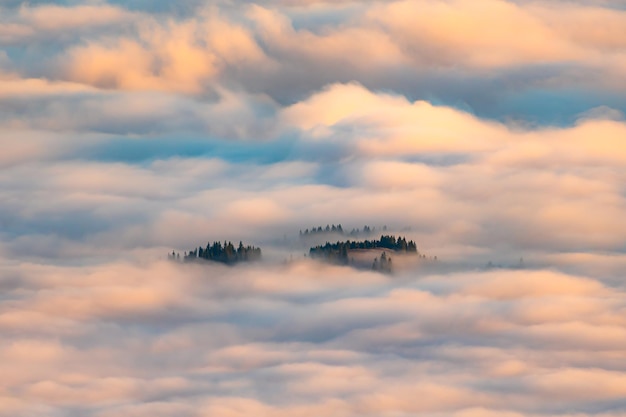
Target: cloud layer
{"type": "Point", "coordinates": [307, 339]}
{"type": "Point", "coordinates": [458, 52]}
{"type": "Point", "coordinates": [491, 133]}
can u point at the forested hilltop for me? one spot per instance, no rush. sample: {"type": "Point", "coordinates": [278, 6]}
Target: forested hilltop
{"type": "Point", "coordinates": [339, 252]}
{"type": "Point", "coordinates": [349, 252]}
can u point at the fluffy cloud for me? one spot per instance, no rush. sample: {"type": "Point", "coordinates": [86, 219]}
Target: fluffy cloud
{"type": "Point", "coordinates": [458, 52]}
{"type": "Point", "coordinates": [344, 343]}
{"type": "Point", "coordinates": [380, 155]}
{"type": "Point", "coordinates": [183, 56]}
{"type": "Point", "coordinates": [132, 130]}
{"type": "Point", "coordinates": [51, 17]}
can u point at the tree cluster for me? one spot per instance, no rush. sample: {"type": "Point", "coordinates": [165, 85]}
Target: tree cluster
{"type": "Point", "coordinates": [319, 230]}
{"type": "Point", "coordinates": [366, 231]}
{"type": "Point", "coordinates": [385, 242]}
{"type": "Point", "coordinates": [338, 252]}
{"type": "Point", "coordinates": [332, 252]}
{"type": "Point", "coordinates": [174, 256]}
{"type": "Point", "coordinates": [225, 253]}
{"type": "Point", "coordinates": [384, 264]}
{"type": "Point", "coordinates": [322, 230]}
{"type": "Point", "coordinates": [399, 245]}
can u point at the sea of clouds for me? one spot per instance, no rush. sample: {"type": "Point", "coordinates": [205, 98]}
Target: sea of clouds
{"type": "Point", "coordinates": [491, 133]}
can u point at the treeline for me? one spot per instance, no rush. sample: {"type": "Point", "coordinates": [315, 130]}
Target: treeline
{"type": "Point", "coordinates": [225, 253]}
{"type": "Point", "coordinates": [322, 230]}
{"type": "Point", "coordinates": [339, 230]}
{"type": "Point", "coordinates": [338, 252]}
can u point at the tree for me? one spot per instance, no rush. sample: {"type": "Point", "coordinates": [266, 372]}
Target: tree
{"type": "Point", "coordinates": [383, 261]}
{"type": "Point", "coordinates": [343, 254]}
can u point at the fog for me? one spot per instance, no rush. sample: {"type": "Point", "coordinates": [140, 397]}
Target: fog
{"type": "Point", "coordinates": [491, 133]}
{"type": "Point", "coordinates": [162, 338]}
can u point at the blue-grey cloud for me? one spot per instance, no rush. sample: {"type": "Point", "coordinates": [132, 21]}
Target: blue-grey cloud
{"type": "Point", "coordinates": [287, 51]}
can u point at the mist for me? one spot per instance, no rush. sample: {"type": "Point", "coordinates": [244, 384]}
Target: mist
{"type": "Point", "coordinates": [490, 133]}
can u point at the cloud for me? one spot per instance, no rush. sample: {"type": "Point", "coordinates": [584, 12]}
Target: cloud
{"type": "Point", "coordinates": [332, 45]}
{"type": "Point", "coordinates": [217, 333]}
{"type": "Point", "coordinates": [132, 130]}
{"type": "Point", "coordinates": [288, 50]}
{"type": "Point", "coordinates": [375, 118]}
{"type": "Point", "coordinates": [178, 64]}
{"type": "Point", "coordinates": [344, 155]}
{"type": "Point", "coordinates": [52, 17]}
{"type": "Point", "coordinates": [182, 56]}
{"type": "Point", "coordinates": [480, 35]}
{"type": "Point", "coordinates": [345, 161]}
{"type": "Point", "coordinates": [52, 21]}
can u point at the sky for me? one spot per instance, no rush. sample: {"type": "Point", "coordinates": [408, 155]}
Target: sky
{"type": "Point", "coordinates": [491, 132]}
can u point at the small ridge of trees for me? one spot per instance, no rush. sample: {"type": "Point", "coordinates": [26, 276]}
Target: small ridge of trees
{"type": "Point", "coordinates": [322, 230]}
{"type": "Point", "coordinates": [225, 253]}
{"type": "Point", "coordinates": [338, 229]}
{"type": "Point", "coordinates": [338, 252]}
{"type": "Point", "coordinates": [385, 242]}
{"type": "Point", "coordinates": [319, 230]}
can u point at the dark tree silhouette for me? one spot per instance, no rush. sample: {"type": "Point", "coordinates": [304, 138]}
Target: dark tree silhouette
{"type": "Point", "coordinates": [384, 264]}
{"type": "Point", "coordinates": [338, 252]}
{"type": "Point", "coordinates": [225, 253]}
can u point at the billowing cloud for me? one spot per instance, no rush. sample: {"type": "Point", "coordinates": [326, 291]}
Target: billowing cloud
{"type": "Point", "coordinates": [431, 163]}
{"type": "Point", "coordinates": [185, 56]}
{"type": "Point", "coordinates": [491, 133]}
{"type": "Point", "coordinates": [461, 53]}
{"type": "Point", "coordinates": [42, 22]}
{"type": "Point", "coordinates": [348, 343]}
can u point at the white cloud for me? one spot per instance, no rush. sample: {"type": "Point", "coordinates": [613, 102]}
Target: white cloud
{"type": "Point", "coordinates": [128, 134]}
{"type": "Point", "coordinates": [137, 337]}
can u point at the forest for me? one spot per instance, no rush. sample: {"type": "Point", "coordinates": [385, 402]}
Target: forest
{"type": "Point", "coordinates": [385, 242]}
{"type": "Point", "coordinates": [338, 229]}
{"type": "Point", "coordinates": [338, 252]}
{"type": "Point", "coordinates": [217, 252]}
